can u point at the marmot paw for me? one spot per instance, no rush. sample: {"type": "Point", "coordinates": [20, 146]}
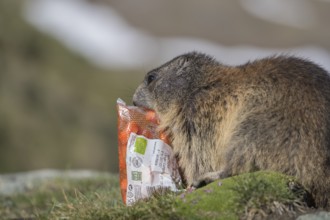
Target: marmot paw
{"type": "Point", "coordinates": [206, 179]}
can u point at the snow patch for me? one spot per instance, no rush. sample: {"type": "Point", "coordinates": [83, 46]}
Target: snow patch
{"type": "Point", "coordinates": [105, 39]}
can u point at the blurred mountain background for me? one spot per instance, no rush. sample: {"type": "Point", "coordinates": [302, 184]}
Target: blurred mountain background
{"type": "Point", "coordinates": [64, 63]}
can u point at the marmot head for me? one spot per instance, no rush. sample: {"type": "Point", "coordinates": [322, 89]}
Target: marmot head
{"type": "Point", "coordinates": [172, 83]}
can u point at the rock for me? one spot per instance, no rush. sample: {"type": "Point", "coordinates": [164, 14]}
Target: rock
{"type": "Point", "coordinates": [320, 215]}
{"type": "Point", "coordinates": [20, 182]}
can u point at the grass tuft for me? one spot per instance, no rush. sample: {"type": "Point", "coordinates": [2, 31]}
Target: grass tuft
{"type": "Point", "coordinates": [263, 194]}
{"type": "Point", "coordinates": [248, 196]}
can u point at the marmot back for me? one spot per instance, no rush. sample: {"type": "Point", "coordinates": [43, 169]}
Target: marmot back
{"type": "Point", "coordinates": [270, 114]}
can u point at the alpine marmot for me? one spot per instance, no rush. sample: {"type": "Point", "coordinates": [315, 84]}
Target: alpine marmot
{"type": "Point", "coordinates": [269, 114]}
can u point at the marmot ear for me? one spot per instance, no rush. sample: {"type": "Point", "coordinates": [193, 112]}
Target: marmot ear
{"type": "Point", "coordinates": [183, 64]}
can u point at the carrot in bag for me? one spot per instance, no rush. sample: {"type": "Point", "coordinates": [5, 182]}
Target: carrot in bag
{"type": "Point", "coordinates": [145, 163]}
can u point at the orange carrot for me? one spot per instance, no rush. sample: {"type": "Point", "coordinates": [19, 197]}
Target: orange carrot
{"type": "Point", "coordinates": [164, 137]}
{"type": "Point", "coordinates": [137, 120]}
{"type": "Point", "coordinates": [132, 127]}
{"type": "Point", "coordinates": [147, 134]}
{"type": "Point", "coordinates": [151, 116]}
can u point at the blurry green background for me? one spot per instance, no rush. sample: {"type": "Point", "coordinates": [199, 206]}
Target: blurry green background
{"type": "Point", "coordinates": [57, 107]}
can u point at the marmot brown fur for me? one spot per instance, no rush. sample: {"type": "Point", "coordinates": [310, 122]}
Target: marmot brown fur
{"type": "Point", "coordinates": [270, 114]}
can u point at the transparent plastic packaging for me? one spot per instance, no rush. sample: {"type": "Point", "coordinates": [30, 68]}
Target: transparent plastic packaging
{"type": "Point", "coordinates": [145, 156]}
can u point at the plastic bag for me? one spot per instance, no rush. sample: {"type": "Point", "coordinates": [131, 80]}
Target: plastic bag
{"type": "Point", "coordinates": [145, 160]}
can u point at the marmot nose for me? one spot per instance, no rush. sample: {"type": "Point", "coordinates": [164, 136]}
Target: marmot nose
{"type": "Point", "coordinates": [134, 103]}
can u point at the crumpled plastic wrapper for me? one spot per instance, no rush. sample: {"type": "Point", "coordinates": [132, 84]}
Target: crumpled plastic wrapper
{"type": "Point", "coordinates": [146, 162]}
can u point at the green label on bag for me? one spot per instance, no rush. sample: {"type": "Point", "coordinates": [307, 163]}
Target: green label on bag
{"type": "Point", "coordinates": [136, 176]}
{"type": "Point", "coordinates": [140, 145]}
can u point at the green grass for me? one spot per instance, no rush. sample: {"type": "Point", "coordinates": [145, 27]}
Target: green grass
{"type": "Point", "coordinates": [257, 194]}
{"type": "Point", "coordinates": [252, 194]}
{"type": "Point", "coordinates": [97, 198]}
{"type": "Point", "coordinates": [61, 198]}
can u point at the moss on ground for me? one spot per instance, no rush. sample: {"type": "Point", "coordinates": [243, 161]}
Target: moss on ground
{"type": "Point", "coordinates": [258, 194]}
{"type": "Point", "coordinates": [253, 194]}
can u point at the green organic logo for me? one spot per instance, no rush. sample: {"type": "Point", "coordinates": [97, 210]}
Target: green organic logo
{"type": "Point", "coordinates": [136, 176]}
{"type": "Point", "coordinates": [140, 145]}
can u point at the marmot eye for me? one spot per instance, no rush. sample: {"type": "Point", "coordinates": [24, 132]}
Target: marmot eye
{"type": "Point", "coordinates": [150, 79]}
